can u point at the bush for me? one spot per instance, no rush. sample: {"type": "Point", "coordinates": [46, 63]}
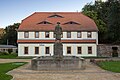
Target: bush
{"type": "Point", "coordinates": [10, 50]}
{"type": "Point", "coordinates": [4, 53]}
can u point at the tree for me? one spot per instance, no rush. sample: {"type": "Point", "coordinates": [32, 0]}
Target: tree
{"type": "Point", "coordinates": [11, 35]}
{"type": "Point", "coordinates": [114, 21]}
{"type": "Point", "coordinates": [106, 16]}
{"type": "Point", "coordinates": [92, 12]}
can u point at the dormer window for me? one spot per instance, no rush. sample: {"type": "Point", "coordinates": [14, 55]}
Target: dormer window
{"type": "Point", "coordinates": [55, 16]}
{"type": "Point", "coordinates": [72, 22]}
{"type": "Point", "coordinates": [44, 22]}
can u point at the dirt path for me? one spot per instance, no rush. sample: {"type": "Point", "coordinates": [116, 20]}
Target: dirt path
{"type": "Point", "coordinates": [92, 72]}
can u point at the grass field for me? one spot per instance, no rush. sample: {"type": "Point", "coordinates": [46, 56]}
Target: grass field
{"type": "Point", "coordinates": [13, 56]}
{"type": "Point", "coordinates": [5, 67]}
{"type": "Point", "coordinates": [113, 66]}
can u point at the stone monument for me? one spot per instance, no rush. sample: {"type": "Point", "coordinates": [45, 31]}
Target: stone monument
{"type": "Point", "coordinates": [57, 61]}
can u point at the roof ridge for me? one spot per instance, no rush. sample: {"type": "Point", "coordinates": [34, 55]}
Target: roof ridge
{"type": "Point", "coordinates": [58, 12]}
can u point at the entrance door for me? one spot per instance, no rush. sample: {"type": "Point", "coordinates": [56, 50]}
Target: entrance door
{"type": "Point", "coordinates": [114, 52]}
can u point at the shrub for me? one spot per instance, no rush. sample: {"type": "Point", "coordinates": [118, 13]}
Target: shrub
{"type": "Point", "coordinates": [4, 53]}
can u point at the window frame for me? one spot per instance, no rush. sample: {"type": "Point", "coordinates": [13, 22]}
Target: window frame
{"type": "Point", "coordinates": [80, 50]}
{"type": "Point", "coordinates": [37, 50]}
{"type": "Point", "coordinates": [68, 34]}
{"type": "Point", "coordinates": [88, 34]}
{"type": "Point", "coordinates": [25, 34]}
{"type": "Point", "coordinates": [80, 34]}
{"type": "Point", "coordinates": [90, 51]}
{"type": "Point", "coordinates": [36, 35]}
{"type": "Point", "coordinates": [68, 49]}
{"type": "Point", "coordinates": [48, 34]}
{"type": "Point", "coordinates": [26, 52]}
{"type": "Point", "coordinates": [46, 50]}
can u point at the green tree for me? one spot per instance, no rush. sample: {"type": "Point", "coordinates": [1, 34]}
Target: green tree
{"type": "Point", "coordinates": [114, 21]}
{"type": "Point", "coordinates": [106, 16]}
{"type": "Point", "coordinates": [11, 35]}
{"type": "Point", "coordinates": [92, 12]}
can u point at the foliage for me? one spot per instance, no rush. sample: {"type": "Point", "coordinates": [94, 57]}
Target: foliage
{"type": "Point", "coordinates": [113, 66]}
{"type": "Point", "coordinates": [11, 35]}
{"type": "Point", "coordinates": [105, 16]}
{"type": "Point", "coordinates": [114, 20]}
{"type": "Point", "coordinates": [4, 53]}
{"type": "Point", "coordinates": [5, 67]}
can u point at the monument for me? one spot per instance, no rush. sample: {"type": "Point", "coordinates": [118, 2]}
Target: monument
{"type": "Point", "coordinates": [57, 61]}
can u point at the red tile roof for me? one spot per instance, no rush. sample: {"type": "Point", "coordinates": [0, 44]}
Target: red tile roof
{"type": "Point", "coordinates": [52, 41]}
{"type": "Point", "coordinates": [31, 23]}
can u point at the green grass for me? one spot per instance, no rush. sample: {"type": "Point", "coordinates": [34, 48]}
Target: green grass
{"type": "Point", "coordinates": [5, 67]}
{"type": "Point", "coordinates": [8, 56]}
{"type": "Point", "coordinates": [113, 66]}
{"type": "Point", "coordinates": [13, 56]}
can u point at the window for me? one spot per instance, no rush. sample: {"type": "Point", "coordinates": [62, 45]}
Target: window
{"type": "Point", "coordinates": [72, 22]}
{"type": "Point", "coordinates": [47, 51]}
{"type": "Point", "coordinates": [79, 34]}
{"type": "Point", "coordinates": [68, 34]}
{"type": "Point", "coordinates": [89, 34]}
{"type": "Point", "coordinates": [26, 34]}
{"type": "Point", "coordinates": [55, 16]}
{"type": "Point", "coordinates": [25, 50]}
{"type": "Point", "coordinates": [46, 34]}
{"type": "Point", "coordinates": [36, 50]}
{"type": "Point", "coordinates": [79, 50]}
{"type": "Point", "coordinates": [89, 50]}
{"type": "Point", "coordinates": [37, 34]}
{"type": "Point", "coordinates": [44, 22]}
{"type": "Point", "coordinates": [68, 50]}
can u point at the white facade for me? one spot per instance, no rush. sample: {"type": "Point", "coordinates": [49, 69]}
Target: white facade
{"type": "Point", "coordinates": [74, 52]}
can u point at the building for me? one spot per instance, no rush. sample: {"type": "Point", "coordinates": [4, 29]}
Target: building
{"type": "Point", "coordinates": [8, 48]}
{"type": "Point", "coordinates": [36, 34]}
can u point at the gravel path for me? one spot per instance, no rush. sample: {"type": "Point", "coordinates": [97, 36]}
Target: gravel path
{"type": "Point", "coordinates": [92, 72]}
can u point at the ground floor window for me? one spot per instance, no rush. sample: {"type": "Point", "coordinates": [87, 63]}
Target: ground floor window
{"type": "Point", "coordinates": [68, 50]}
{"type": "Point", "coordinates": [79, 50]}
{"type": "Point", "coordinates": [47, 50]}
{"type": "Point", "coordinates": [25, 50]}
{"type": "Point", "coordinates": [89, 50]}
{"type": "Point", "coordinates": [36, 50]}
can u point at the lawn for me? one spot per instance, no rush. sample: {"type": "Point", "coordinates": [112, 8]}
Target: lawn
{"type": "Point", "coordinates": [5, 67]}
{"type": "Point", "coordinates": [13, 56]}
{"type": "Point", "coordinates": [113, 66]}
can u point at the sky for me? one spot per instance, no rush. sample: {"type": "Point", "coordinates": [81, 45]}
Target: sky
{"type": "Point", "coordinates": [13, 11]}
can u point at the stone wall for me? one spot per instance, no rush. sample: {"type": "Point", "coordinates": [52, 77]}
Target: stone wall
{"type": "Point", "coordinates": [106, 50]}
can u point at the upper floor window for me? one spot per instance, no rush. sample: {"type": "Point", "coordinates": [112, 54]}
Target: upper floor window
{"type": "Point", "coordinates": [68, 50]}
{"type": "Point", "coordinates": [68, 34]}
{"type": "Point", "coordinates": [46, 34]}
{"type": "Point", "coordinates": [79, 34]}
{"type": "Point", "coordinates": [55, 16]}
{"type": "Point", "coordinates": [26, 34]}
{"type": "Point", "coordinates": [25, 50]}
{"type": "Point", "coordinates": [72, 22]}
{"type": "Point", "coordinates": [89, 34]}
{"type": "Point", "coordinates": [79, 49]}
{"type": "Point", "coordinates": [89, 50]}
{"type": "Point", "coordinates": [36, 34]}
{"type": "Point", "coordinates": [44, 22]}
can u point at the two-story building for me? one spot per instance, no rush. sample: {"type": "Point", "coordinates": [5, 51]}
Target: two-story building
{"type": "Point", "coordinates": [36, 34]}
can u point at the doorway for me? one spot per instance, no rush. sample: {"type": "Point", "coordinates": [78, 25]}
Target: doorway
{"type": "Point", "coordinates": [114, 51]}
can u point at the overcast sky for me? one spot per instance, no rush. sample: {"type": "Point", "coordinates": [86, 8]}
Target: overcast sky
{"type": "Point", "coordinates": [13, 11]}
